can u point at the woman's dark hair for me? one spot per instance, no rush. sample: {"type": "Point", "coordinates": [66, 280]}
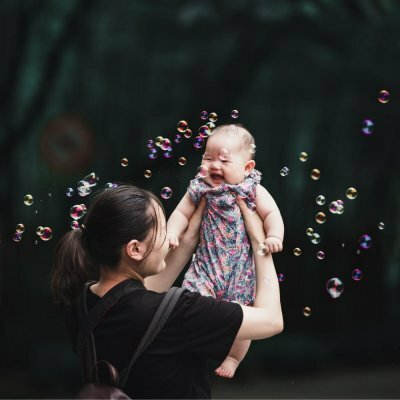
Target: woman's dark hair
{"type": "Point", "coordinates": [115, 216]}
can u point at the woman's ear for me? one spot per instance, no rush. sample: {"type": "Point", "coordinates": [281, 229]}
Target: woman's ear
{"type": "Point", "coordinates": [135, 250]}
{"type": "Point", "coordinates": [249, 166]}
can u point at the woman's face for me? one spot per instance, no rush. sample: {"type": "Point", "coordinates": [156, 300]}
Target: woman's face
{"type": "Point", "coordinates": [155, 261]}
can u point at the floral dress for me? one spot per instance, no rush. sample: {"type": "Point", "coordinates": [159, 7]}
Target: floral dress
{"type": "Point", "coordinates": [223, 266]}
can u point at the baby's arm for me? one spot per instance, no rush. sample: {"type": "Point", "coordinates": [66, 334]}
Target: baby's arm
{"type": "Point", "coordinates": [179, 219]}
{"type": "Point", "coordinates": [273, 223]}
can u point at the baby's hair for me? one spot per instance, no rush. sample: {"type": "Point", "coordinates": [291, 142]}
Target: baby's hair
{"type": "Point", "coordinates": [241, 131]}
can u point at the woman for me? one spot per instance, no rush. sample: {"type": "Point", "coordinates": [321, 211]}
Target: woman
{"type": "Point", "coordinates": [124, 238]}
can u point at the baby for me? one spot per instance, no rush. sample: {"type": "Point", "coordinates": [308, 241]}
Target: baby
{"type": "Point", "coordinates": [223, 266]}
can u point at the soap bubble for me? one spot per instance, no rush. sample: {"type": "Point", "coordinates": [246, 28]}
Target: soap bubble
{"type": "Point", "coordinates": [147, 173]}
{"type": "Point", "coordinates": [340, 208]}
{"type": "Point", "coordinates": [198, 142]}
{"type": "Point", "coordinates": [235, 114]}
{"type": "Point", "coordinates": [262, 249]}
{"type": "Point", "coordinates": [284, 171]}
{"type": "Point", "coordinates": [320, 255]}
{"type": "Point", "coordinates": [306, 311]}
{"type": "Point", "coordinates": [83, 188]}
{"type": "Point", "coordinates": [166, 143]}
{"type": "Point", "coordinates": [124, 162]}
{"type": "Point", "coordinates": [213, 117]}
{"type": "Point", "coordinates": [351, 193]}
{"type": "Point", "coordinates": [159, 141]}
{"type": "Point", "coordinates": [204, 131]}
{"type": "Point", "coordinates": [357, 274]}
{"type": "Point", "coordinates": [182, 126]}
{"type": "Point", "coordinates": [150, 143]}
{"type": "Point", "coordinates": [367, 127]}
{"type": "Point", "coordinates": [177, 138]}
{"type": "Point", "coordinates": [315, 238]}
{"type": "Point", "coordinates": [365, 242]}
{"type": "Point", "coordinates": [320, 200]}
{"type": "Point", "coordinates": [28, 200]}
{"type": "Point", "coordinates": [211, 125]}
{"type": "Point", "coordinates": [333, 207]}
{"type": "Point", "coordinates": [182, 161]}
{"type": "Point", "coordinates": [335, 287]}
{"type": "Point", "coordinates": [281, 277]}
{"type": "Point", "coordinates": [20, 228]}
{"type": "Point", "coordinates": [168, 152]}
{"type": "Point", "coordinates": [297, 251]}
{"type": "Point", "coordinates": [39, 230]}
{"type": "Point", "coordinates": [315, 174]}
{"type": "Point", "coordinates": [110, 185]}
{"type": "Point", "coordinates": [91, 179]}
{"type": "Point", "coordinates": [202, 171]}
{"type": "Point", "coordinates": [223, 154]}
{"type": "Point", "coordinates": [69, 192]}
{"type": "Point", "coordinates": [320, 217]}
{"type": "Point", "coordinates": [47, 234]}
{"type": "Point", "coordinates": [17, 237]}
{"type": "Point", "coordinates": [252, 149]}
{"type": "Point", "coordinates": [303, 156]}
{"type": "Point", "coordinates": [166, 192]}
{"type": "Point", "coordinates": [309, 231]}
{"type": "Point", "coordinates": [384, 96]}
{"type": "Point", "coordinates": [188, 133]}
{"type": "Point", "coordinates": [381, 226]}
{"type": "Point", "coordinates": [74, 224]}
{"type": "Point", "coordinates": [153, 154]}
{"type": "Point", "coordinates": [204, 115]}
{"type": "Point", "coordinates": [77, 211]}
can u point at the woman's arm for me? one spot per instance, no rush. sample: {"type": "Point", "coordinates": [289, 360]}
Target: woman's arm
{"type": "Point", "coordinates": [177, 259]}
{"type": "Point", "coordinates": [265, 318]}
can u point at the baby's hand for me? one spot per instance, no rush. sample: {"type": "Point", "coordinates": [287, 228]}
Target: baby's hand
{"type": "Point", "coordinates": [273, 244]}
{"type": "Point", "coordinates": [173, 240]}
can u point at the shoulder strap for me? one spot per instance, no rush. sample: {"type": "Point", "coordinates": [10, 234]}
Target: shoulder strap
{"type": "Point", "coordinates": [160, 318]}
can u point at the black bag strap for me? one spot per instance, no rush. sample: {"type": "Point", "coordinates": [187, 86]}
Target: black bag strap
{"type": "Point", "coordinates": [89, 320]}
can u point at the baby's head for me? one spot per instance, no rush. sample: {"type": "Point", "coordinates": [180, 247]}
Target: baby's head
{"type": "Point", "coordinates": [229, 155]}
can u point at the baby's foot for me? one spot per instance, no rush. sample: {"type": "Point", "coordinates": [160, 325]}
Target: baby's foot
{"type": "Point", "coordinates": [227, 368]}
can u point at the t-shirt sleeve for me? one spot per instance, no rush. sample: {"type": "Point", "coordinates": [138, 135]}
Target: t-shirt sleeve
{"type": "Point", "coordinates": [210, 326]}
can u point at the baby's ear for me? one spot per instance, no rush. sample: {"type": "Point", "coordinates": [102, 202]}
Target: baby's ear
{"type": "Point", "coordinates": [249, 166]}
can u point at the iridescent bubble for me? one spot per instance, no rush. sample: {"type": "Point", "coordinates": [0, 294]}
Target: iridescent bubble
{"type": "Point", "coordinates": [168, 152]}
{"type": "Point", "coordinates": [357, 274]}
{"type": "Point", "coordinates": [297, 251]}
{"type": "Point", "coordinates": [365, 242]}
{"type": "Point", "coordinates": [147, 173]}
{"type": "Point", "coordinates": [335, 287]}
{"type": "Point", "coordinates": [17, 237]}
{"type": "Point", "coordinates": [109, 185]}
{"type": "Point", "coordinates": [150, 143]}
{"type": "Point", "coordinates": [340, 202]}
{"type": "Point", "coordinates": [303, 156]}
{"type": "Point", "coordinates": [320, 255]}
{"type": "Point", "coordinates": [384, 96]}
{"type": "Point", "coordinates": [39, 230]}
{"type": "Point", "coordinates": [124, 162]}
{"type": "Point", "coordinates": [204, 115]}
{"type": "Point", "coordinates": [166, 144]}
{"type": "Point", "coordinates": [153, 154]}
{"type": "Point", "coordinates": [351, 193]}
{"type": "Point", "coordinates": [252, 149]}
{"type": "Point", "coordinates": [211, 125]}
{"type": "Point", "coordinates": [315, 174]}
{"type": "Point", "coordinates": [235, 114]}
{"type": "Point", "coordinates": [381, 226]}
{"type": "Point", "coordinates": [320, 217]}
{"type": "Point", "coordinates": [320, 200]}
{"type": "Point", "coordinates": [204, 131]}
{"type": "Point", "coordinates": [159, 141]}
{"type": "Point", "coordinates": [188, 133]}
{"type": "Point", "coordinates": [83, 188]}
{"type": "Point", "coordinates": [281, 277]}
{"type": "Point", "coordinates": [47, 234]}
{"type": "Point", "coordinates": [358, 252]}
{"type": "Point", "coordinates": [306, 311]}
{"type": "Point", "coordinates": [77, 211]}
{"type": "Point", "coordinates": [28, 200]}
{"type": "Point", "coordinates": [75, 225]}
{"type": "Point", "coordinates": [284, 171]}
{"type": "Point", "coordinates": [182, 161]}
{"type": "Point", "coordinates": [69, 192]}
{"type": "Point", "coordinates": [367, 127]}
{"type": "Point", "coordinates": [315, 238]}
{"type": "Point", "coordinates": [20, 228]}
{"type": "Point", "coordinates": [333, 206]}
{"type": "Point", "coordinates": [177, 138]}
{"type": "Point", "coordinates": [91, 179]}
{"type": "Point", "coordinates": [202, 171]}
{"type": "Point", "coordinates": [340, 208]}
{"type": "Point", "coordinates": [182, 126]}
{"type": "Point", "coordinates": [224, 154]}
{"type": "Point", "coordinates": [309, 231]}
{"type": "Point", "coordinates": [198, 142]}
{"type": "Point", "coordinates": [343, 244]}
{"type": "Point", "coordinates": [262, 249]}
{"type": "Point", "coordinates": [213, 117]}
{"type": "Point", "coordinates": [166, 192]}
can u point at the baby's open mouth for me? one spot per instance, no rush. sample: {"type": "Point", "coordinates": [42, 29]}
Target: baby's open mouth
{"type": "Point", "coordinates": [216, 177]}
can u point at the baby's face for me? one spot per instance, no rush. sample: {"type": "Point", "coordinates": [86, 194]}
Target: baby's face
{"type": "Point", "coordinates": [226, 159]}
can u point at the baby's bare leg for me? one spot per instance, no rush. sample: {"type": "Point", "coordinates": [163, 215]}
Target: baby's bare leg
{"type": "Point", "coordinates": [238, 351]}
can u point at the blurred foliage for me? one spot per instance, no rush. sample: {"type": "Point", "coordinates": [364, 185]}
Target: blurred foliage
{"type": "Point", "coordinates": [85, 83]}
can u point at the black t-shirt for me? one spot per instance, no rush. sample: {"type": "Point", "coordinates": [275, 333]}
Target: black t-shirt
{"type": "Point", "coordinates": [175, 364]}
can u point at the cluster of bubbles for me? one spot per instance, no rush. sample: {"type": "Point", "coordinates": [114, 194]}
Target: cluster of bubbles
{"type": "Point", "coordinates": [44, 232]}
{"type": "Point", "coordinates": [284, 171]}
{"type": "Point", "coordinates": [315, 237]}
{"type": "Point", "coordinates": [19, 230]}
{"type": "Point", "coordinates": [336, 207]}
{"type": "Point", "coordinates": [85, 185]}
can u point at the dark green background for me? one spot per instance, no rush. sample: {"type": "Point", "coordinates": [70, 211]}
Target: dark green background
{"type": "Point", "coordinates": [303, 75]}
